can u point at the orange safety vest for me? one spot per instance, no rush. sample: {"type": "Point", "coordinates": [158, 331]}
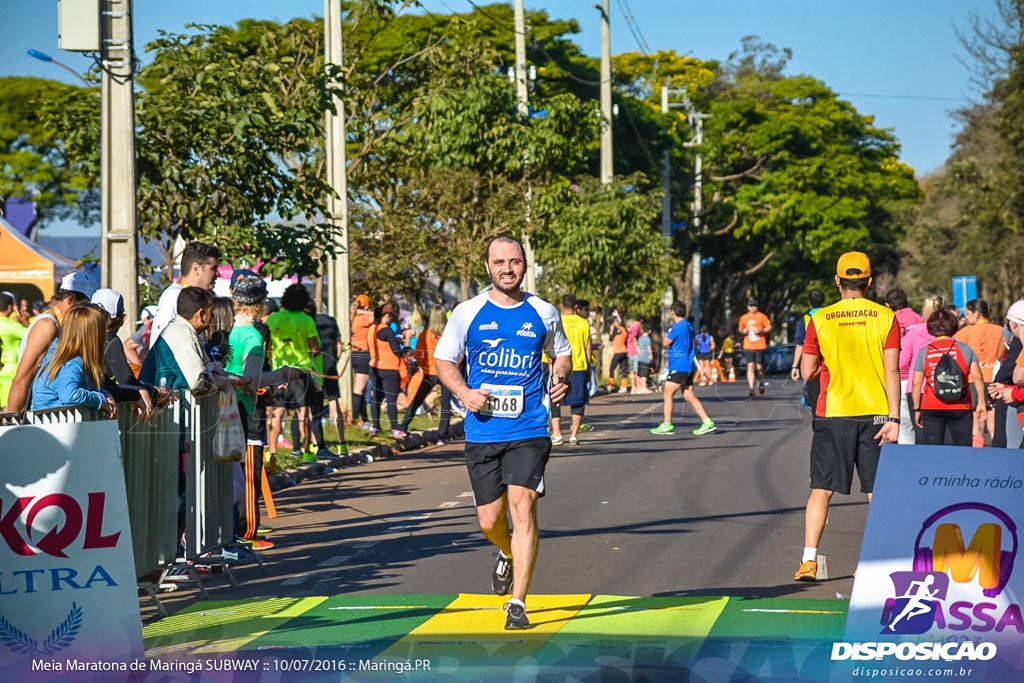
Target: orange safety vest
{"type": "Point", "coordinates": [381, 355]}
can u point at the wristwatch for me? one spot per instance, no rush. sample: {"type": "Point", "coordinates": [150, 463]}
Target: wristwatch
{"type": "Point", "coordinates": [562, 380]}
{"type": "Point", "coordinates": [894, 420]}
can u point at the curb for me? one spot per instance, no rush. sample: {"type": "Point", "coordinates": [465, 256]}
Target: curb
{"type": "Point", "coordinates": [318, 470]}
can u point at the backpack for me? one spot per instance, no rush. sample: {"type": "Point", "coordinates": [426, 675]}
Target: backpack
{"type": "Point", "coordinates": [948, 379]}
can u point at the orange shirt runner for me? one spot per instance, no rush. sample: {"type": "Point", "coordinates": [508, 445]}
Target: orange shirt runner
{"type": "Point", "coordinates": [754, 341]}
{"type": "Point", "coordinates": [984, 339]}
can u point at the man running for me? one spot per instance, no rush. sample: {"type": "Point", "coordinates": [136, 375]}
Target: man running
{"type": "Point", "coordinates": [502, 334]}
{"type": "Point", "coordinates": [755, 327]}
{"type": "Point", "coordinates": [682, 369]}
{"type": "Point", "coordinates": [854, 346]}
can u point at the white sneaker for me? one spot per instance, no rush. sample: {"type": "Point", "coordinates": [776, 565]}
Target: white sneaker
{"type": "Point", "coordinates": [556, 440]}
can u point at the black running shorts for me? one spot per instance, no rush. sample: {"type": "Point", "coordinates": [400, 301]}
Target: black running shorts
{"type": "Point", "coordinates": [838, 445]}
{"type": "Point", "coordinates": [683, 379]}
{"type": "Point", "coordinates": [295, 394]}
{"type": "Point", "coordinates": [360, 362]}
{"type": "Point", "coordinates": [493, 467]}
{"type": "Point", "coordinates": [754, 356]}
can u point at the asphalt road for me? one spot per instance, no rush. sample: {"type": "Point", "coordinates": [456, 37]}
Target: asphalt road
{"type": "Point", "coordinates": [627, 513]}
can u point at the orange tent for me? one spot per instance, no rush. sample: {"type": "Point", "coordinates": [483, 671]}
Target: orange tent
{"type": "Point", "coordinates": [27, 268]}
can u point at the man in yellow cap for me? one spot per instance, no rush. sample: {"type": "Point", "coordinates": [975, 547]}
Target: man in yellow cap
{"type": "Point", "coordinates": [854, 347]}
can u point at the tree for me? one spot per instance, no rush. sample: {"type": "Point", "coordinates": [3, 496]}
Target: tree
{"type": "Point", "coordinates": [602, 243]}
{"type": "Point", "coordinates": [795, 176]}
{"type": "Point", "coordinates": [33, 163]}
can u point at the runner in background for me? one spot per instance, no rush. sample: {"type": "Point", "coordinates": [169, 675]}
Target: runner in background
{"type": "Point", "coordinates": [577, 331]}
{"type": "Point", "coordinates": [620, 356]}
{"type": "Point", "coordinates": [11, 334]}
{"type": "Point", "coordinates": [754, 326]}
{"type": "Point", "coordinates": [682, 368]}
{"type": "Point", "coordinates": [705, 352]}
{"type": "Point", "coordinates": [985, 339]}
{"type": "Point", "coordinates": [812, 387]}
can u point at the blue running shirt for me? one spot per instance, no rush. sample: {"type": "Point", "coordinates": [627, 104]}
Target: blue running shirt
{"type": "Point", "coordinates": [680, 354]}
{"type": "Point", "coordinates": [503, 346]}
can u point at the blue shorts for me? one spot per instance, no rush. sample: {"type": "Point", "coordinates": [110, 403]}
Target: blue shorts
{"type": "Point", "coordinates": [579, 389]}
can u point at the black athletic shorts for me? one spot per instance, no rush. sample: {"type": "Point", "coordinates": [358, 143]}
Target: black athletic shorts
{"type": "Point", "coordinates": [754, 356]}
{"type": "Point", "coordinates": [643, 369]}
{"type": "Point", "coordinates": [683, 379]}
{"type": "Point", "coordinates": [361, 362]}
{"type": "Point", "coordinates": [838, 444]}
{"type": "Point", "coordinates": [495, 466]}
{"type": "Point", "coordinates": [331, 388]}
{"type": "Point", "coordinates": [294, 395]}
{"type": "Point", "coordinates": [704, 356]}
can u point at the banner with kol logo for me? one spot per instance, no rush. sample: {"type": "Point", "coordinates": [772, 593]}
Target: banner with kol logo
{"type": "Point", "coordinates": [940, 561]}
{"type": "Point", "coordinates": [67, 574]}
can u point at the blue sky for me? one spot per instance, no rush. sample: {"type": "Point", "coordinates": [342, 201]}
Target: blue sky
{"type": "Point", "coordinates": [894, 59]}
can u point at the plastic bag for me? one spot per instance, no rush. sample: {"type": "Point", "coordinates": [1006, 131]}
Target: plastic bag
{"type": "Point", "coordinates": [228, 439]}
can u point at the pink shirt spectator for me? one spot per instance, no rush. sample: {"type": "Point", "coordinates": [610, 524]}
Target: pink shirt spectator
{"type": "Point", "coordinates": [632, 334]}
{"type": "Point", "coordinates": [916, 338]}
{"type": "Point", "coordinates": [905, 318]}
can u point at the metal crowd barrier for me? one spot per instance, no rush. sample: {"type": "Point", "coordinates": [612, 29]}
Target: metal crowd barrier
{"type": "Point", "coordinates": [209, 485]}
{"type": "Point", "coordinates": [151, 460]}
{"type": "Point", "coordinates": [151, 457]}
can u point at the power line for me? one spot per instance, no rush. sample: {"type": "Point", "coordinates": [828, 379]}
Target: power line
{"type": "Point", "coordinates": [633, 27]}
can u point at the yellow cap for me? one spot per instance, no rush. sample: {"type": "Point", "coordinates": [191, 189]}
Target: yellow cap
{"type": "Point", "coordinates": [853, 264]}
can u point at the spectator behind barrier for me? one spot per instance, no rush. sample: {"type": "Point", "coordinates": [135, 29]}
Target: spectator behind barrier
{"type": "Point", "coordinates": [177, 360]}
{"type": "Point", "coordinates": [71, 373]}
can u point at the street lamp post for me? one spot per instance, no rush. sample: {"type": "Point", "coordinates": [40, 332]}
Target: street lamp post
{"type": "Point", "coordinates": [43, 57]}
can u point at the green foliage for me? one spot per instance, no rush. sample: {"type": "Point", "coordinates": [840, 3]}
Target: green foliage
{"type": "Point", "coordinates": [972, 221]}
{"type": "Point", "coordinates": [797, 177]}
{"type": "Point", "coordinates": [602, 244]}
{"type": "Point", "coordinates": [32, 160]}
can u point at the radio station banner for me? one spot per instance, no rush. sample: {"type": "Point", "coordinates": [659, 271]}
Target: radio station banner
{"type": "Point", "coordinates": [67, 573]}
{"type": "Point", "coordinates": [940, 570]}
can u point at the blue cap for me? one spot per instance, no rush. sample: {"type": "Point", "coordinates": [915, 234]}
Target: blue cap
{"type": "Point", "coordinates": [238, 274]}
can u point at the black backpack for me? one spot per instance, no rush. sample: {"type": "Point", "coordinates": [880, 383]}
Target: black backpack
{"type": "Point", "coordinates": [948, 379]}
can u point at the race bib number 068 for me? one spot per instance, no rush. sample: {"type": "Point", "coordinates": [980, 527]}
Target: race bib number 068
{"type": "Point", "coordinates": [503, 401]}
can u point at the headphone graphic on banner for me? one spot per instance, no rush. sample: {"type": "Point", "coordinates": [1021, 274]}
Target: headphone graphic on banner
{"type": "Point", "coordinates": [923, 556]}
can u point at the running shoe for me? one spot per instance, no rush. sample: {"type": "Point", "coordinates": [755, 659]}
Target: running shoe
{"type": "Point", "coordinates": [324, 454]}
{"type": "Point", "coordinates": [808, 571]}
{"type": "Point", "coordinates": [342, 449]}
{"type": "Point", "coordinates": [284, 443]}
{"type": "Point", "coordinates": [308, 457]}
{"type": "Point", "coordinates": [556, 439]}
{"type": "Point", "coordinates": [442, 442]}
{"type": "Point", "coordinates": [760, 388]}
{"type": "Point", "coordinates": [515, 618]}
{"type": "Point", "coordinates": [706, 427]}
{"type": "Point", "coordinates": [664, 428]}
{"type": "Point", "coordinates": [586, 427]}
{"type": "Point", "coordinates": [372, 431]}
{"type": "Point", "coordinates": [259, 544]}
{"type": "Point", "coordinates": [501, 579]}
{"type": "Point", "coordinates": [573, 441]}
{"type": "Point", "coordinates": [398, 434]}
{"type": "Point", "coordinates": [264, 529]}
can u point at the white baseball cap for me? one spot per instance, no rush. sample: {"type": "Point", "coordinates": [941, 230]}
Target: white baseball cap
{"type": "Point", "coordinates": [80, 282]}
{"type": "Point", "coordinates": [110, 301]}
{"type": "Point", "coordinates": [1016, 312]}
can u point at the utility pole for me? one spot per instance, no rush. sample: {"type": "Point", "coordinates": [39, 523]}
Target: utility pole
{"type": "Point", "coordinates": [522, 100]}
{"type": "Point", "coordinates": [666, 201]}
{"type": "Point", "coordinates": [697, 122]}
{"type": "Point", "coordinates": [606, 95]}
{"type": "Point", "coordinates": [338, 296]}
{"type": "Point", "coordinates": [118, 237]}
